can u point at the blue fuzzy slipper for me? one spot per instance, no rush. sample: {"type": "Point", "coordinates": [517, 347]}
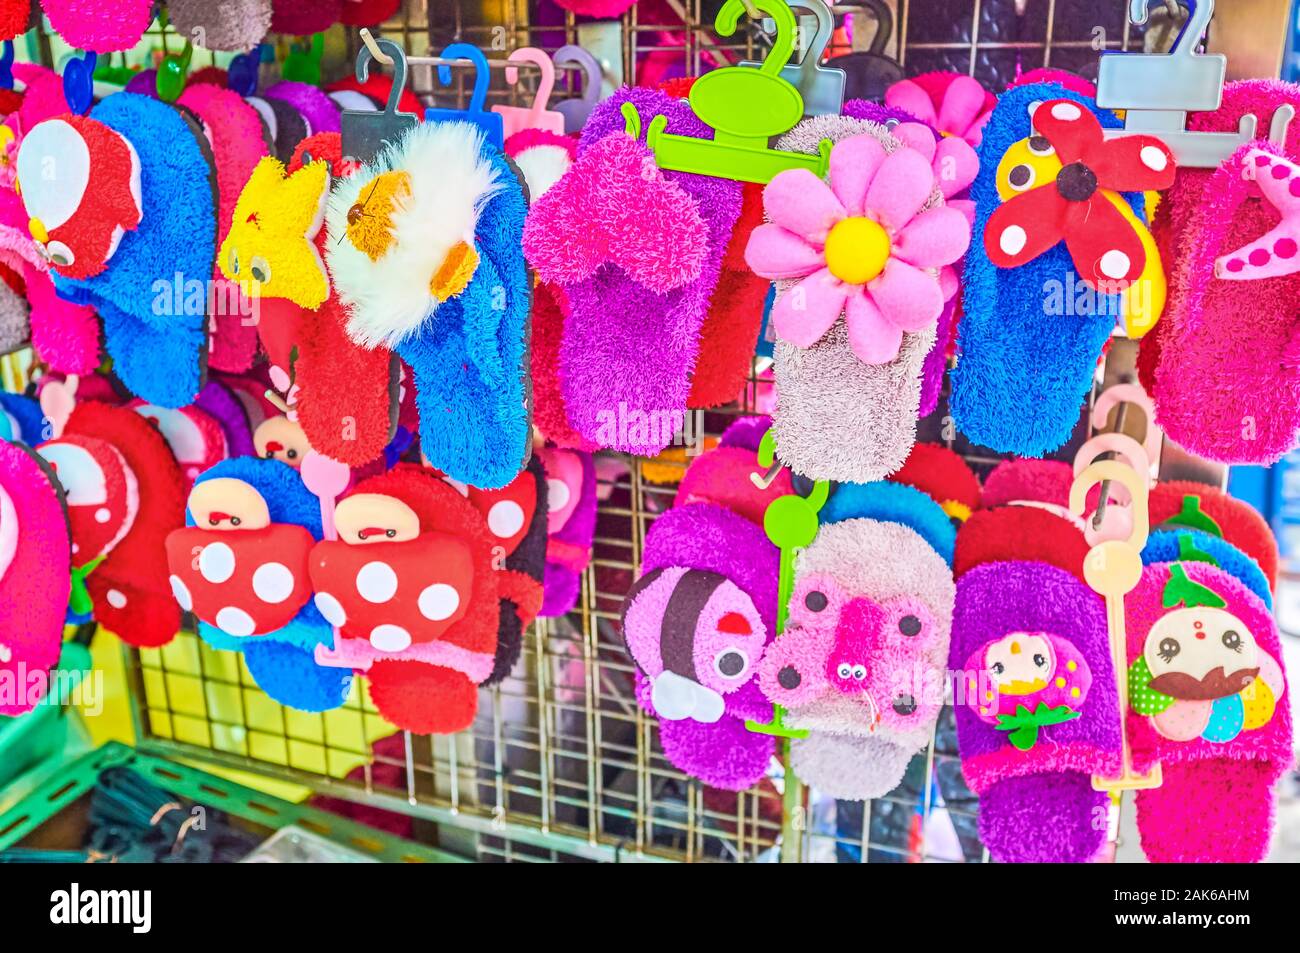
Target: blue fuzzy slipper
{"type": "Point", "coordinates": [128, 220]}
{"type": "Point", "coordinates": [21, 420]}
{"type": "Point", "coordinates": [241, 566]}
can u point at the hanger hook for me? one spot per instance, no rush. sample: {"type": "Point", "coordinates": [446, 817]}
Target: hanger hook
{"type": "Point", "coordinates": [786, 28]}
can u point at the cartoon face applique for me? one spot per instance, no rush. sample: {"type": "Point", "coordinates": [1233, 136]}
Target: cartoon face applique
{"type": "Point", "coordinates": [1202, 674]}
{"type": "Point", "coordinates": [279, 438]}
{"type": "Point", "coordinates": [851, 659]}
{"type": "Point", "coordinates": [387, 581]}
{"type": "Point", "coordinates": [101, 491]}
{"type": "Point", "coordinates": [234, 568]}
{"type": "Point", "coordinates": [80, 184]}
{"type": "Point", "coordinates": [194, 436]}
{"type": "Point", "coordinates": [1026, 681]}
{"type": "Point", "coordinates": [696, 635]}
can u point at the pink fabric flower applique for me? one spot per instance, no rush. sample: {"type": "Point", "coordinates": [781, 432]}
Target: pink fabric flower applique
{"type": "Point", "coordinates": [955, 104]}
{"type": "Point", "coordinates": [869, 245]}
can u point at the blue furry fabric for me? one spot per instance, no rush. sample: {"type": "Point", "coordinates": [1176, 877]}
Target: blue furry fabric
{"type": "Point", "coordinates": [283, 662]}
{"type": "Point", "coordinates": [26, 422]}
{"type": "Point", "coordinates": [471, 362]}
{"type": "Point", "coordinates": [895, 503]}
{"type": "Point", "coordinates": [156, 336]}
{"type": "Point", "coordinates": [1022, 373]}
{"type": "Point", "coordinates": [1163, 546]}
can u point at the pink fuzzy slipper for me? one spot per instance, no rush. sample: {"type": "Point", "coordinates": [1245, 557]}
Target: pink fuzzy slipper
{"type": "Point", "coordinates": [104, 26]}
{"type": "Point", "coordinates": [1207, 698]}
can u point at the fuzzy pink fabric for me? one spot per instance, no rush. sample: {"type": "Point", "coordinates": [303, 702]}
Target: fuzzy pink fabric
{"type": "Point", "coordinates": [1070, 81]}
{"type": "Point", "coordinates": [953, 103]}
{"type": "Point", "coordinates": [35, 583]}
{"type": "Point", "coordinates": [721, 476]}
{"type": "Point", "coordinates": [104, 26]}
{"type": "Point", "coordinates": [1217, 801]}
{"type": "Point", "coordinates": [605, 9]}
{"type": "Point", "coordinates": [1227, 376]}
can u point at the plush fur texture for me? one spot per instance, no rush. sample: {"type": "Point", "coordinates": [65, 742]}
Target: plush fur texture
{"type": "Point", "coordinates": [218, 401]}
{"type": "Point", "coordinates": [1021, 374]}
{"type": "Point", "coordinates": [894, 503]}
{"type": "Point", "coordinates": [1227, 363]}
{"type": "Point", "coordinates": [543, 157]}
{"type": "Point", "coordinates": [549, 413]}
{"type": "Point", "coordinates": [65, 335]}
{"type": "Point", "coordinates": [286, 124]}
{"type": "Point", "coordinates": [943, 476]}
{"type": "Point", "coordinates": [367, 12]}
{"type": "Point", "coordinates": [721, 475]}
{"type": "Point", "coordinates": [234, 131]}
{"type": "Point", "coordinates": [24, 415]}
{"type": "Point", "coordinates": [1167, 546]}
{"type": "Point", "coordinates": [161, 357]}
{"type": "Point", "coordinates": [303, 17]}
{"type": "Point", "coordinates": [632, 334]}
{"type": "Point", "coordinates": [35, 568]}
{"type": "Point", "coordinates": [568, 547]}
{"type": "Point", "coordinates": [15, 17]}
{"type": "Point", "coordinates": [1019, 533]}
{"type": "Point", "coordinates": [235, 26]}
{"type": "Point", "coordinates": [1037, 805]}
{"type": "Point", "coordinates": [1240, 523]}
{"type": "Point", "coordinates": [452, 179]}
{"type": "Point", "coordinates": [15, 331]}
{"type": "Point", "coordinates": [1044, 481]}
{"type": "Point", "coordinates": [1218, 799]}
{"type": "Point", "coordinates": [838, 418]}
{"type": "Point", "coordinates": [147, 616]}
{"type": "Point", "coordinates": [104, 26]}
{"type": "Point", "coordinates": [315, 107]}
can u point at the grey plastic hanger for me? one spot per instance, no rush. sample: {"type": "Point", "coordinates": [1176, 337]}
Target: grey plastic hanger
{"type": "Point", "coordinates": [870, 72]}
{"type": "Point", "coordinates": [576, 111]}
{"type": "Point", "coordinates": [366, 132]}
{"type": "Point", "coordinates": [822, 87]}
{"type": "Point", "coordinates": [1158, 90]}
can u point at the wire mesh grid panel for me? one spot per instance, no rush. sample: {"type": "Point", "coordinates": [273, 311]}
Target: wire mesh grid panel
{"type": "Point", "coordinates": [561, 763]}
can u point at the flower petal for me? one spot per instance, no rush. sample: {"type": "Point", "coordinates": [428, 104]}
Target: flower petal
{"type": "Point", "coordinates": [918, 136]}
{"type": "Point", "coordinates": [901, 186]}
{"type": "Point", "coordinates": [949, 283]}
{"type": "Point", "coordinates": [806, 312]}
{"type": "Point", "coordinates": [955, 165]}
{"type": "Point", "coordinates": [1106, 251]}
{"type": "Point", "coordinates": [938, 236]}
{"type": "Point", "coordinates": [1022, 228]}
{"type": "Point", "coordinates": [803, 203]}
{"type": "Point", "coordinates": [907, 296]}
{"type": "Point", "coordinates": [963, 102]}
{"type": "Point", "coordinates": [854, 162]}
{"type": "Point", "coordinates": [911, 98]}
{"type": "Point", "coordinates": [874, 339]}
{"type": "Point", "coordinates": [776, 252]}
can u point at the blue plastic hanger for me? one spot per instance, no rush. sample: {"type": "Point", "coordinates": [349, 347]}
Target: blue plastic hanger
{"type": "Point", "coordinates": [491, 123]}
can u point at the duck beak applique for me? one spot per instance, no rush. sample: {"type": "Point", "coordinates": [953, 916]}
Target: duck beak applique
{"type": "Point", "coordinates": [455, 272]}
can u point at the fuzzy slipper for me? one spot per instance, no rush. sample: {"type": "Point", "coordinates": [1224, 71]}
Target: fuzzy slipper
{"type": "Point", "coordinates": [1208, 703]}
{"type": "Point", "coordinates": [241, 566]}
{"type": "Point", "coordinates": [944, 476]}
{"type": "Point", "coordinates": [21, 419]}
{"type": "Point", "coordinates": [103, 26]}
{"type": "Point", "coordinates": [235, 134]}
{"type": "Point", "coordinates": [696, 624]}
{"type": "Point", "coordinates": [1190, 545]}
{"type": "Point", "coordinates": [34, 579]}
{"type": "Point", "coordinates": [953, 103]}
{"type": "Point", "coordinates": [860, 665]}
{"type": "Point", "coordinates": [195, 438]}
{"type": "Point", "coordinates": [15, 18]}
{"type": "Point", "coordinates": [1034, 325]}
{"type": "Point", "coordinates": [234, 25]}
{"type": "Point", "coordinates": [570, 526]}
{"type": "Point", "coordinates": [139, 239]}
{"type": "Point", "coordinates": [1225, 370]}
{"type": "Point", "coordinates": [1185, 504]}
{"type": "Point", "coordinates": [1036, 706]}
{"type": "Point", "coordinates": [303, 17]}
{"type": "Point", "coordinates": [638, 290]}
{"type": "Point", "coordinates": [15, 329]}
{"type": "Point", "coordinates": [857, 304]}
{"type": "Point", "coordinates": [368, 12]}
{"type": "Point", "coordinates": [284, 124]}
{"type": "Point", "coordinates": [411, 588]}
{"type": "Point", "coordinates": [315, 107]}
{"type": "Point", "coordinates": [220, 402]}
{"type": "Point", "coordinates": [124, 494]}
{"type": "Point", "coordinates": [721, 475]}
{"type": "Point", "coordinates": [441, 203]}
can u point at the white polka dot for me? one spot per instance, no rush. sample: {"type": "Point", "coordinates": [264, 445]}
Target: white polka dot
{"type": "Point", "coordinates": [557, 494]}
{"type": "Point", "coordinates": [376, 582]}
{"type": "Point", "coordinates": [273, 582]}
{"type": "Point", "coordinates": [6, 654]}
{"type": "Point", "coordinates": [1012, 240]}
{"type": "Point", "coordinates": [75, 549]}
{"type": "Point", "coordinates": [115, 599]}
{"type": "Point", "coordinates": [505, 518]}
{"type": "Point", "coordinates": [217, 562]}
{"type": "Point", "coordinates": [102, 515]}
{"type": "Point", "coordinates": [1114, 264]}
{"type": "Point", "coordinates": [389, 638]}
{"type": "Point", "coordinates": [183, 597]}
{"type": "Point", "coordinates": [439, 601]}
{"type": "Point", "coordinates": [1067, 112]}
{"type": "Point", "coordinates": [234, 621]}
{"type": "Point", "coordinates": [1153, 158]}
{"type": "Point", "coordinates": [331, 609]}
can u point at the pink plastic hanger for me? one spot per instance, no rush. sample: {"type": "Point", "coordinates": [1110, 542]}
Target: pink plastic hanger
{"type": "Point", "coordinates": [537, 116]}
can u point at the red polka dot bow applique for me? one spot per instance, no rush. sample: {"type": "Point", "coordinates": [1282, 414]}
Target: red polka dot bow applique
{"type": "Point", "coordinates": [1106, 250]}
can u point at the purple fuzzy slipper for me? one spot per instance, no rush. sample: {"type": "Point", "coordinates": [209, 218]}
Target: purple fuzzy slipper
{"type": "Point", "coordinates": [571, 525]}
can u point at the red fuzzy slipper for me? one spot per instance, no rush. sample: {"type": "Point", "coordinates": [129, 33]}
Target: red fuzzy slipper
{"type": "Point", "coordinates": [1207, 508]}
{"type": "Point", "coordinates": [942, 475]}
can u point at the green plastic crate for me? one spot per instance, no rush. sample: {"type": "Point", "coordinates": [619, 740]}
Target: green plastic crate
{"type": "Point", "coordinates": [42, 733]}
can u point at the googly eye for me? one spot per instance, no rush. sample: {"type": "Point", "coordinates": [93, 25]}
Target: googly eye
{"type": "Point", "coordinates": [60, 254]}
{"type": "Point", "coordinates": [1039, 146]}
{"type": "Point", "coordinates": [731, 663]}
{"type": "Point", "coordinates": [1021, 178]}
{"type": "Point", "coordinates": [845, 670]}
{"type": "Point", "coordinates": [891, 123]}
{"type": "Point", "coordinates": [859, 672]}
{"type": "Point", "coordinates": [816, 601]}
{"type": "Point", "coordinates": [291, 454]}
{"type": "Point", "coordinates": [909, 625]}
{"type": "Point", "coordinates": [997, 668]}
{"type": "Point", "coordinates": [260, 269]}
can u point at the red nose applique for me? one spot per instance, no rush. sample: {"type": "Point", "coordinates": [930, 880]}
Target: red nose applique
{"type": "Point", "coordinates": [244, 582]}
{"type": "Point", "coordinates": [393, 594]}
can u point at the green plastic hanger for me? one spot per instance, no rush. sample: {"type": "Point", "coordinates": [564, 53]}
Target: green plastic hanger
{"type": "Point", "coordinates": [790, 522]}
{"type": "Point", "coordinates": [745, 107]}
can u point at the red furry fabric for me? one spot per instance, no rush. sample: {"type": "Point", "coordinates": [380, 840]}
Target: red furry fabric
{"type": "Point", "coordinates": [1022, 534]}
{"type": "Point", "coordinates": [735, 315]}
{"type": "Point", "coordinates": [548, 397]}
{"type": "Point", "coordinates": [425, 699]}
{"type": "Point", "coordinates": [1242, 526]}
{"type": "Point", "coordinates": [9, 100]}
{"type": "Point", "coordinates": [941, 474]}
{"type": "Point", "coordinates": [368, 12]}
{"type": "Point", "coordinates": [301, 17]}
{"type": "Point", "coordinates": [15, 15]}
{"type": "Point", "coordinates": [136, 568]}
{"type": "Point", "coordinates": [212, 75]}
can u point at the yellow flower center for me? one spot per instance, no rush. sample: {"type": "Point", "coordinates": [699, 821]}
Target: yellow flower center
{"type": "Point", "coordinates": [857, 250]}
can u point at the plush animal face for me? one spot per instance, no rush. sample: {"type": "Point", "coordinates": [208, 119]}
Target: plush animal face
{"type": "Point", "coordinates": [1201, 653]}
{"type": "Point", "coordinates": [80, 184]}
{"type": "Point", "coordinates": [698, 637]}
{"type": "Point", "coordinates": [101, 491]}
{"type": "Point", "coordinates": [1026, 669]}
{"type": "Point", "coordinates": [279, 438]}
{"type": "Point", "coordinates": [270, 248]}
